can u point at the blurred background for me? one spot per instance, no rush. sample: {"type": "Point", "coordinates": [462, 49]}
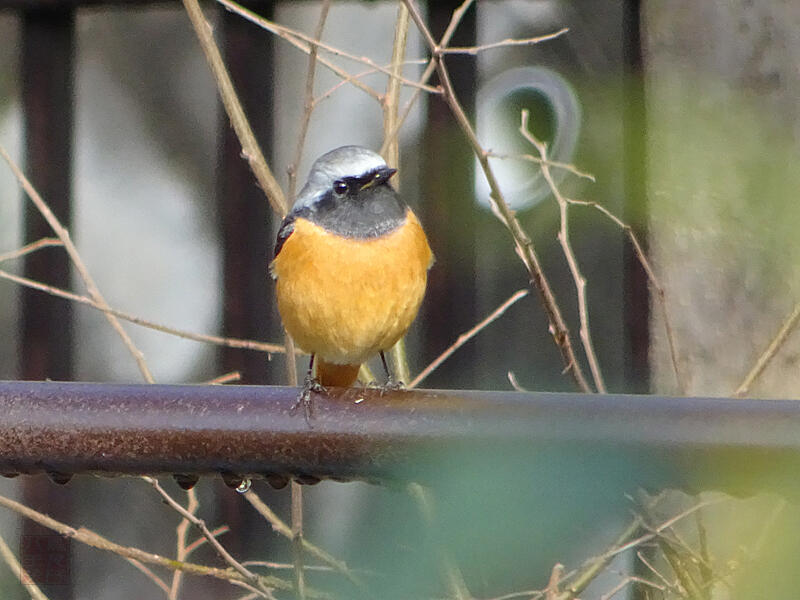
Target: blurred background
{"type": "Point", "coordinates": [685, 113]}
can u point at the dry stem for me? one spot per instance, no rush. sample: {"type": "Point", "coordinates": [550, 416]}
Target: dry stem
{"type": "Point", "coordinates": [569, 254]}
{"type": "Point", "coordinates": [523, 243]}
{"type": "Point", "coordinates": [768, 354]}
{"type": "Point", "coordinates": [95, 540]}
{"type": "Point", "coordinates": [248, 575]}
{"type": "Point", "coordinates": [63, 235]}
{"type": "Point", "coordinates": [182, 533]}
{"type": "Point", "coordinates": [283, 529]}
{"type": "Point", "coordinates": [19, 572]}
{"type": "Point", "coordinates": [466, 336]}
{"type": "Point", "coordinates": [197, 337]}
{"type": "Point", "coordinates": [250, 148]}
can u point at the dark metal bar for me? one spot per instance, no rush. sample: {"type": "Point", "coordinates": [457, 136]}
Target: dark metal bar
{"type": "Point", "coordinates": [739, 446]}
{"type": "Point", "coordinates": [245, 217]}
{"type": "Point", "coordinates": [447, 211]}
{"type": "Point", "coordinates": [47, 64]}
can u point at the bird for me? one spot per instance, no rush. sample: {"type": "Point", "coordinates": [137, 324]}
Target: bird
{"type": "Point", "coordinates": [350, 266]}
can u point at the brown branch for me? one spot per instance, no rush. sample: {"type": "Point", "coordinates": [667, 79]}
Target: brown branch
{"type": "Point", "coordinates": [523, 244]}
{"type": "Point", "coordinates": [250, 148]}
{"type": "Point", "coordinates": [19, 572]}
{"type": "Point", "coordinates": [569, 254]}
{"type": "Point", "coordinates": [473, 50]}
{"type": "Point", "coordinates": [225, 378]}
{"type": "Point", "coordinates": [297, 540]}
{"type": "Point", "coordinates": [250, 577]}
{"type": "Point", "coordinates": [95, 540]}
{"type": "Point", "coordinates": [768, 354]}
{"type": "Point", "coordinates": [660, 296]}
{"type": "Point", "coordinates": [28, 248]}
{"type": "Point", "coordinates": [182, 532]}
{"type": "Point", "coordinates": [63, 235]}
{"type": "Point", "coordinates": [308, 102]}
{"type": "Point", "coordinates": [466, 336]}
{"type": "Point", "coordinates": [197, 337]}
{"type": "Point", "coordinates": [455, 20]}
{"type": "Point", "coordinates": [538, 160]}
{"type": "Point", "coordinates": [391, 101]}
{"type": "Point", "coordinates": [281, 528]}
{"type": "Point", "coordinates": [306, 42]}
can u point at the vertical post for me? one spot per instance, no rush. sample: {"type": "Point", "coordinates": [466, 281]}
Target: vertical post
{"type": "Point", "coordinates": [245, 217]}
{"type": "Point", "coordinates": [246, 231]}
{"type": "Point", "coordinates": [48, 44]}
{"type": "Point", "coordinates": [448, 211]}
{"type": "Point", "coordinates": [637, 293]}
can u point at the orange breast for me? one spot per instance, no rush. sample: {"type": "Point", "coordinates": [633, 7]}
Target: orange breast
{"type": "Point", "coordinates": [346, 299]}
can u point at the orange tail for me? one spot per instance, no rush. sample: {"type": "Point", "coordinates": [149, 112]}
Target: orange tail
{"type": "Point", "coordinates": [329, 374]}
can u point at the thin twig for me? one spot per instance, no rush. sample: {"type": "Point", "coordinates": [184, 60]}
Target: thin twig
{"type": "Point", "coordinates": [19, 572]}
{"type": "Point", "coordinates": [551, 592]}
{"type": "Point", "coordinates": [63, 235]}
{"type": "Point", "coordinates": [768, 354]}
{"type": "Point", "coordinates": [522, 242]}
{"type": "Point", "coordinates": [218, 531]}
{"type": "Point", "coordinates": [283, 529]}
{"type": "Point", "coordinates": [147, 572]}
{"type": "Point", "coordinates": [250, 577]}
{"type": "Point", "coordinates": [28, 248]}
{"type": "Point", "coordinates": [95, 540]}
{"type": "Point", "coordinates": [305, 42]}
{"type": "Point", "coordinates": [538, 160]}
{"type": "Point", "coordinates": [660, 295]}
{"type": "Point", "coordinates": [569, 254]}
{"type": "Point", "coordinates": [308, 102]}
{"type": "Point", "coordinates": [182, 532]}
{"type": "Point", "coordinates": [197, 337]}
{"type": "Point", "coordinates": [466, 336]}
{"type": "Point", "coordinates": [474, 50]}
{"type": "Point", "coordinates": [390, 136]}
{"type": "Point", "coordinates": [226, 378]}
{"type": "Point", "coordinates": [391, 101]}
{"type": "Point", "coordinates": [250, 148]}
{"type": "Point", "coordinates": [297, 540]}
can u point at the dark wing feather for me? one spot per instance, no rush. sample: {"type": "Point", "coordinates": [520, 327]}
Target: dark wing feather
{"type": "Point", "coordinates": [287, 228]}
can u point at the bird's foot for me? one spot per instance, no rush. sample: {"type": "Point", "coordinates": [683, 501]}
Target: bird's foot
{"type": "Point", "coordinates": [304, 399]}
{"type": "Point", "coordinates": [391, 386]}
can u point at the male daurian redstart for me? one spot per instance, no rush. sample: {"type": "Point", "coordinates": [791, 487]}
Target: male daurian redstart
{"type": "Point", "coordinates": [351, 264]}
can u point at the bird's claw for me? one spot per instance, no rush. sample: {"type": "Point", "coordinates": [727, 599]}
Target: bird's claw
{"type": "Point", "coordinates": [304, 399]}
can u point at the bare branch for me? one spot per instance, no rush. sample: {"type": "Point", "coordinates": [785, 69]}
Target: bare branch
{"type": "Point", "coordinates": [250, 148]}
{"type": "Point", "coordinates": [305, 42]}
{"type": "Point", "coordinates": [182, 532]}
{"type": "Point", "coordinates": [28, 248]}
{"type": "Point", "coordinates": [569, 254]}
{"type": "Point", "coordinates": [654, 281]}
{"type": "Point", "coordinates": [768, 354]}
{"type": "Point", "coordinates": [63, 235]}
{"type": "Point", "coordinates": [248, 575]}
{"type": "Point", "coordinates": [281, 528]}
{"type": "Point", "coordinates": [197, 337]}
{"type": "Point", "coordinates": [473, 50]}
{"type": "Point", "coordinates": [522, 242]}
{"type": "Point", "coordinates": [19, 572]}
{"type": "Point", "coordinates": [466, 336]}
{"type": "Point", "coordinates": [95, 540]}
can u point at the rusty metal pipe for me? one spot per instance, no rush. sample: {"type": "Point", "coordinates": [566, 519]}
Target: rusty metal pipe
{"type": "Point", "coordinates": [741, 446]}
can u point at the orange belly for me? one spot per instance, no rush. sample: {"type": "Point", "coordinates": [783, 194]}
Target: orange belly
{"type": "Point", "coordinates": [346, 299]}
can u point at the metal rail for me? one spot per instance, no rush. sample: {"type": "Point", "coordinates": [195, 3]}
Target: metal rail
{"type": "Point", "coordinates": [739, 446]}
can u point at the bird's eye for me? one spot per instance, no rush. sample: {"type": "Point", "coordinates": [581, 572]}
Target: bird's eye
{"type": "Point", "coordinates": [340, 187]}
